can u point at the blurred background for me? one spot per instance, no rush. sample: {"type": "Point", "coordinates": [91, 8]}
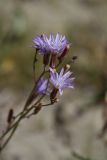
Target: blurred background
{"type": "Point", "coordinates": [78, 122]}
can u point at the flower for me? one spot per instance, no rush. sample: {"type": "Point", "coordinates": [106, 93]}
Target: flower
{"type": "Point", "coordinates": [52, 45]}
{"type": "Point", "coordinates": [61, 80]}
{"type": "Point", "coordinates": [42, 86]}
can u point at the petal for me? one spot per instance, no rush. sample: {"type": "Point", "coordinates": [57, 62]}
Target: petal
{"type": "Point", "coordinates": [62, 72]}
{"type": "Point", "coordinates": [60, 91]}
{"type": "Point", "coordinates": [67, 75]}
{"type": "Point", "coordinates": [57, 38]}
{"type": "Point", "coordinates": [51, 38]}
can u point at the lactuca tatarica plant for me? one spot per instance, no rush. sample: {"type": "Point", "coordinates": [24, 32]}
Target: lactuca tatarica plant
{"type": "Point", "coordinates": [53, 80]}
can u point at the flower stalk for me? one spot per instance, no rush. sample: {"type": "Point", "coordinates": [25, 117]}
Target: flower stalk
{"type": "Point", "coordinates": [50, 83]}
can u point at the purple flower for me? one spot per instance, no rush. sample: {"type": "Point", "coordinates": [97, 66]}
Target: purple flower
{"type": "Point", "coordinates": [52, 45]}
{"type": "Point", "coordinates": [61, 80]}
{"type": "Point", "coordinates": [42, 86]}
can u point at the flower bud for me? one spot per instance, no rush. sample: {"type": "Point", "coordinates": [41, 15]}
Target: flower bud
{"type": "Point", "coordinates": [53, 61]}
{"type": "Point", "coordinates": [10, 116]}
{"type": "Point", "coordinates": [64, 53]}
{"type": "Point", "coordinates": [66, 67]}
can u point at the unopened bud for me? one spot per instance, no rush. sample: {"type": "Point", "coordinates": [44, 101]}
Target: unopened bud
{"type": "Point", "coordinates": [10, 116]}
{"type": "Point", "coordinates": [53, 61]}
{"type": "Point", "coordinates": [67, 67]}
{"type": "Point", "coordinates": [74, 58]}
{"type": "Point", "coordinates": [64, 53]}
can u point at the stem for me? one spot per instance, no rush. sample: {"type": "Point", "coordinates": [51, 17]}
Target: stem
{"type": "Point", "coordinates": [15, 125]}
{"type": "Point", "coordinates": [9, 129]}
{"type": "Point", "coordinates": [34, 61]}
{"type": "Point", "coordinates": [8, 139]}
{"type": "Point", "coordinates": [22, 114]}
{"type": "Point", "coordinates": [18, 115]}
{"type": "Point", "coordinates": [32, 96]}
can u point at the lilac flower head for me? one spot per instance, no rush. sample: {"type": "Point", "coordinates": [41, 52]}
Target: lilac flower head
{"type": "Point", "coordinates": [42, 86]}
{"type": "Point", "coordinates": [51, 45]}
{"type": "Point", "coordinates": [61, 80]}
